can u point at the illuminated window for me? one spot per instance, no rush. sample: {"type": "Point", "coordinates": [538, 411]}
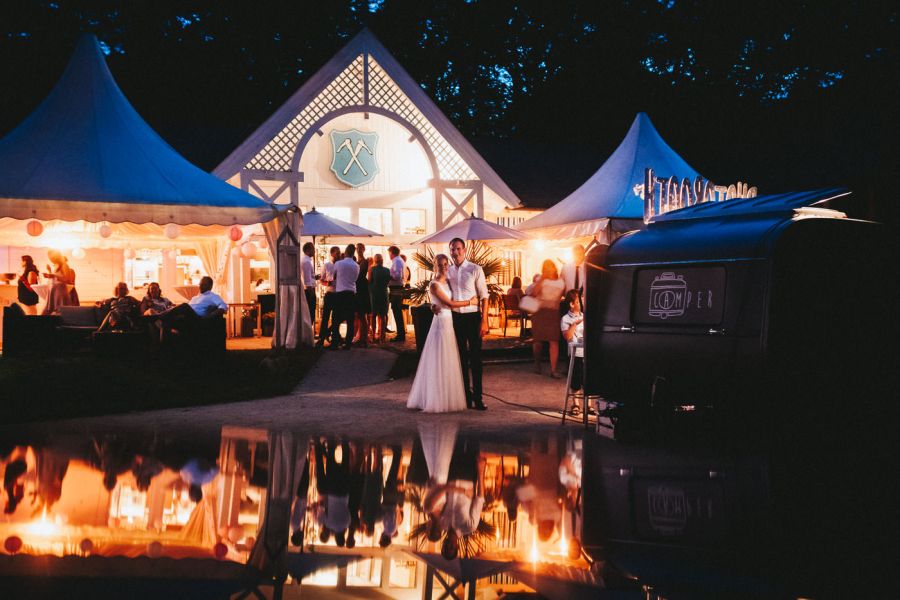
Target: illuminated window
{"type": "Point", "coordinates": [379, 220]}
{"type": "Point", "coordinates": [412, 221]}
{"type": "Point", "coordinates": [364, 573]}
{"type": "Point", "coordinates": [403, 573]}
{"type": "Point", "coordinates": [336, 212]}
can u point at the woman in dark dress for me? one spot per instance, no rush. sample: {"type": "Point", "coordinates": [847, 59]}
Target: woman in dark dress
{"type": "Point", "coordinates": [363, 300]}
{"type": "Point", "coordinates": [28, 298]}
{"type": "Point", "coordinates": [379, 277]}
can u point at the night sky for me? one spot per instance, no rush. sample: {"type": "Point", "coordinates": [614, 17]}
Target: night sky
{"type": "Point", "coordinates": [783, 95]}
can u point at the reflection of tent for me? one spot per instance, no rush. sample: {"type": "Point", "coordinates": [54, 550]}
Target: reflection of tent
{"type": "Point", "coordinates": [85, 154]}
{"type": "Point", "coordinates": [462, 571]}
{"type": "Point", "coordinates": [608, 200]}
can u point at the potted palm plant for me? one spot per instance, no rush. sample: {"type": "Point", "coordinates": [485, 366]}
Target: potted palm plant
{"type": "Point", "coordinates": [477, 252]}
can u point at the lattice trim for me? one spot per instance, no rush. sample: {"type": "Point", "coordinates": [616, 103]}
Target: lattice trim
{"type": "Point", "coordinates": [346, 90]}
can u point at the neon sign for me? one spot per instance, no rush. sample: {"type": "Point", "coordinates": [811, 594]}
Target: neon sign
{"type": "Point", "coordinates": [662, 195]}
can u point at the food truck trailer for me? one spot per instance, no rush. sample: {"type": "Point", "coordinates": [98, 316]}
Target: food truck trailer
{"type": "Point", "coordinates": [770, 302]}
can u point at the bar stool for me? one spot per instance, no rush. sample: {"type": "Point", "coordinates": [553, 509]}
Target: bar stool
{"type": "Point", "coordinates": [576, 350]}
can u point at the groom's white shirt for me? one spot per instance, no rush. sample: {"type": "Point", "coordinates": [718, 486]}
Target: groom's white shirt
{"type": "Point", "coordinates": [465, 281]}
{"type": "Point", "coordinates": [461, 511]}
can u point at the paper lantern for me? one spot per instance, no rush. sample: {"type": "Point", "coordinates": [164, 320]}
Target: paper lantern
{"type": "Point", "coordinates": [13, 544]}
{"type": "Point", "coordinates": [235, 234]}
{"type": "Point", "coordinates": [34, 228]}
{"type": "Point", "coordinates": [78, 253]}
{"type": "Point", "coordinates": [220, 550]}
{"type": "Point", "coordinates": [172, 230]}
{"type": "Point", "coordinates": [86, 545]}
{"type": "Point", "coordinates": [130, 253]}
{"type": "Point", "coordinates": [171, 253]}
{"type": "Point", "coordinates": [263, 244]}
{"type": "Point", "coordinates": [249, 249]}
{"type": "Point", "coordinates": [105, 231]}
{"type": "Point", "coordinates": [154, 549]}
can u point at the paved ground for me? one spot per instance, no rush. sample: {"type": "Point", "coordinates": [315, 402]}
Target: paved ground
{"type": "Point", "coordinates": [349, 393]}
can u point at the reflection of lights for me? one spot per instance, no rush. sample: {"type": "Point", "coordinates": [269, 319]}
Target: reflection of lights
{"type": "Point", "coordinates": [567, 256]}
{"type": "Point", "coordinates": [43, 526]}
{"type": "Point", "coordinates": [539, 245]}
{"type": "Point", "coordinates": [534, 549]}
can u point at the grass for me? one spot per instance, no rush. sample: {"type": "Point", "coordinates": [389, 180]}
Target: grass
{"type": "Point", "coordinates": [76, 386]}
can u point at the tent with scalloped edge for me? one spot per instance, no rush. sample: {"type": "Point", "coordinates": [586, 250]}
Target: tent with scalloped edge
{"type": "Point", "coordinates": [85, 154]}
{"type": "Point", "coordinates": [610, 200]}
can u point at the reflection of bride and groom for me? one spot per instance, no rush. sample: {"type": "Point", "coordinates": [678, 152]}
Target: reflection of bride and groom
{"type": "Point", "coordinates": [452, 350]}
{"type": "Point", "coordinates": [450, 471]}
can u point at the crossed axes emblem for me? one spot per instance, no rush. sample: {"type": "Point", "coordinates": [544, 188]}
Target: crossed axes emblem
{"type": "Point", "coordinates": [354, 154]}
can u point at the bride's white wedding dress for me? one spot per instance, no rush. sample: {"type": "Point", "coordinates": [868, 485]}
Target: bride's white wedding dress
{"type": "Point", "coordinates": [438, 386]}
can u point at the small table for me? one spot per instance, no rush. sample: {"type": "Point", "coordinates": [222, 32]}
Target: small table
{"type": "Point", "coordinates": [233, 321]}
{"type": "Point", "coordinates": [187, 291]}
{"type": "Point", "coordinates": [43, 289]}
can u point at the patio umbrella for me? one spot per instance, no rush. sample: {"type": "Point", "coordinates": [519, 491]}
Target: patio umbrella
{"type": "Point", "coordinates": [319, 224]}
{"type": "Point", "coordinates": [474, 228]}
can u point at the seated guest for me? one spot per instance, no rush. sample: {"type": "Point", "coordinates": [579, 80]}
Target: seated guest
{"type": "Point", "coordinates": [533, 283]}
{"type": "Point", "coordinates": [572, 326]}
{"type": "Point", "coordinates": [124, 310]}
{"type": "Point", "coordinates": [204, 305]}
{"type": "Point", "coordinates": [154, 302]}
{"type": "Point", "coordinates": [516, 288]}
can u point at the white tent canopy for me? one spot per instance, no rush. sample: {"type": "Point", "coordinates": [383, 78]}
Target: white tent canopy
{"type": "Point", "coordinates": [86, 155]}
{"type": "Point", "coordinates": [611, 197]}
{"type": "Point", "coordinates": [474, 228]}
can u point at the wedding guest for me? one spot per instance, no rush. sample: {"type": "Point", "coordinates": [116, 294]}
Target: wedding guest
{"type": "Point", "coordinates": [326, 279]}
{"type": "Point", "coordinates": [373, 490]}
{"type": "Point", "coordinates": [123, 310]}
{"type": "Point", "coordinates": [206, 304]}
{"type": "Point", "coordinates": [572, 326]}
{"type": "Point", "coordinates": [63, 276]}
{"type": "Point", "coordinates": [516, 288]}
{"type": "Point", "coordinates": [573, 272]}
{"type": "Point", "coordinates": [531, 285]}
{"type": "Point", "coordinates": [549, 290]}
{"type": "Point", "coordinates": [392, 500]}
{"type": "Point", "coordinates": [363, 303]}
{"type": "Point", "coordinates": [396, 285]}
{"type": "Point", "coordinates": [407, 273]}
{"type": "Point", "coordinates": [539, 496]}
{"type": "Point", "coordinates": [333, 485]}
{"type": "Point", "coordinates": [154, 302]}
{"type": "Point", "coordinates": [379, 279]}
{"type": "Point", "coordinates": [309, 280]}
{"type": "Point", "coordinates": [27, 297]}
{"type": "Point", "coordinates": [346, 272]}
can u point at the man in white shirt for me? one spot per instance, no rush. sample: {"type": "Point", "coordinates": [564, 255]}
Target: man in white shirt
{"type": "Point", "coordinates": [345, 273]}
{"type": "Point", "coordinates": [572, 327]}
{"type": "Point", "coordinates": [326, 279]}
{"type": "Point", "coordinates": [470, 324]}
{"type": "Point", "coordinates": [207, 303]}
{"type": "Point", "coordinates": [333, 485]}
{"type": "Point", "coordinates": [460, 501]}
{"type": "Point", "coordinates": [309, 280]}
{"type": "Point", "coordinates": [396, 285]}
{"type": "Point", "coordinates": [573, 272]}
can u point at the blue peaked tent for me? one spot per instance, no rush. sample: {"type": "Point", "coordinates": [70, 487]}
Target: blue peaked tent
{"type": "Point", "coordinates": [86, 154]}
{"type": "Point", "coordinates": [607, 201]}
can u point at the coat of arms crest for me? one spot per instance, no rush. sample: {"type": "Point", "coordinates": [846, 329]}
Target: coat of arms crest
{"type": "Point", "coordinates": [353, 158]}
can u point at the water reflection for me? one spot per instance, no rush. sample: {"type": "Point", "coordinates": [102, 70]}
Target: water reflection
{"type": "Point", "coordinates": [321, 511]}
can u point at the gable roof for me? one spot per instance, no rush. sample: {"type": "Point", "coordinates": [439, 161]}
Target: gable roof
{"type": "Point", "coordinates": [86, 154]}
{"type": "Point", "coordinates": [270, 145]}
{"type": "Point", "coordinates": [609, 193]}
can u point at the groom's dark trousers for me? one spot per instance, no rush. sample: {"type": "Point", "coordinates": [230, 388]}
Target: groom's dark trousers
{"type": "Point", "coordinates": [467, 327]}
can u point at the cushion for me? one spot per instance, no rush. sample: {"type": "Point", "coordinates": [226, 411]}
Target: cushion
{"type": "Point", "coordinates": [78, 316]}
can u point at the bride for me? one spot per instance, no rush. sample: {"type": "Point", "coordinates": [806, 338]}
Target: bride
{"type": "Point", "coordinates": [438, 386]}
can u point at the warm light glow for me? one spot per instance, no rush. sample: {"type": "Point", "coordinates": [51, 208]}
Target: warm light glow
{"type": "Point", "coordinates": [534, 549]}
{"type": "Point", "coordinates": [43, 526]}
{"type": "Point", "coordinates": [567, 256]}
{"type": "Point", "coordinates": [539, 245]}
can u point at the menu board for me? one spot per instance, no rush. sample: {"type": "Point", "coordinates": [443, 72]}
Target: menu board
{"type": "Point", "coordinates": [672, 296]}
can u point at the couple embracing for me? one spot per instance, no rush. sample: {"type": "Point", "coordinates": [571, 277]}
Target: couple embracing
{"type": "Point", "coordinates": [452, 351]}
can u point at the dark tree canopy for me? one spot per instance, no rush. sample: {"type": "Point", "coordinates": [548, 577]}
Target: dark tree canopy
{"type": "Point", "coordinates": [785, 95]}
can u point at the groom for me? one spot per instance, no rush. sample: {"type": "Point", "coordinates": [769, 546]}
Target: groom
{"type": "Point", "coordinates": [470, 323]}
